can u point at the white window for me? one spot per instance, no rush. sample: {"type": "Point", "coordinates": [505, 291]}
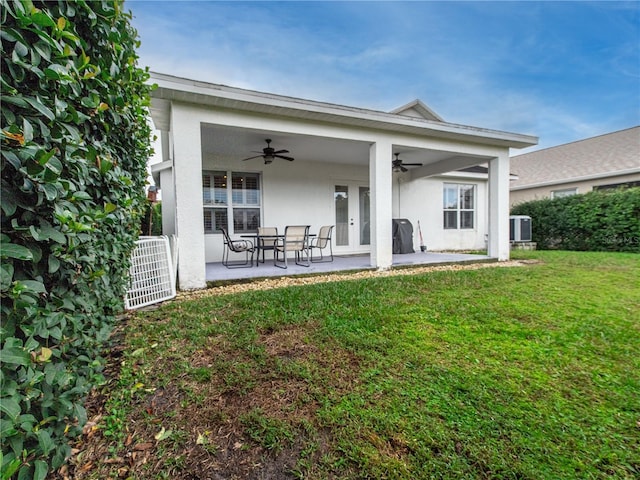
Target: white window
{"type": "Point", "coordinates": [565, 192]}
{"type": "Point", "coordinates": [238, 200]}
{"type": "Point", "coordinates": [459, 202]}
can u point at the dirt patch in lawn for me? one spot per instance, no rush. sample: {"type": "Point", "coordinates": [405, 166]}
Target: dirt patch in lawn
{"type": "Point", "coordinates": [229, 416]}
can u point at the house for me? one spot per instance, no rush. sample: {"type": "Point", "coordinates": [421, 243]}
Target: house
{"type": "Point", "coordinates": [606, 161]}
{"type": "Point", "coordinates": [342, 175]}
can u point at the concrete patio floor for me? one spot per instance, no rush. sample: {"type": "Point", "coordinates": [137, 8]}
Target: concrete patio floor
{"type": "Point", "coordinates": [218, 272]}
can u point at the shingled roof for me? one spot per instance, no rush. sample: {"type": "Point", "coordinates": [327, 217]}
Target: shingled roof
{"type": "Point", "coordinates": [601, 156]}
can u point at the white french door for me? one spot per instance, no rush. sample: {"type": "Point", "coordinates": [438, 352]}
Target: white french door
{"type": "Point", "coordinates": [352, 211]}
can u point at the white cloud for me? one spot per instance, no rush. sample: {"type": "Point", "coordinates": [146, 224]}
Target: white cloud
{"type": "Point", "coordinates": [506, 66]}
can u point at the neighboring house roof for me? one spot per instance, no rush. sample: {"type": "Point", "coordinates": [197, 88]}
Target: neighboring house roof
{"type": "Point", "coordinates": [414, 118]}
{"type": "Point", "coordinates": [607, 155]}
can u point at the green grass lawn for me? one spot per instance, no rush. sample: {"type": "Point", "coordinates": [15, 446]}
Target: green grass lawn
{"type": "Point", "coordinates": [529, 372]}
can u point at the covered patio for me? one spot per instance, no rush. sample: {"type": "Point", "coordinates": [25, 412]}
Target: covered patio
{"type": "Point", "coordinates": [218, 172]}
{"type": "Point", "coordinates": [216, 272]}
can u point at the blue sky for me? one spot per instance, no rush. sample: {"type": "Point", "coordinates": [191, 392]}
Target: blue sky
{"type": "Point", "coordinates": [562, 71]}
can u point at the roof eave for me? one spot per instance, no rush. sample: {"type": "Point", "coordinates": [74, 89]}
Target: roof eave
{"type": "Point", "coordinates": [170, 88]}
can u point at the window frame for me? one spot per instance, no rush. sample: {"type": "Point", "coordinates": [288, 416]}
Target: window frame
{"type": "Point", "coordinates": [458, 206]}
{"type": "Point", "coordinates": [227, 200]}
{"type": "Point", "coordinates": [564, 192]}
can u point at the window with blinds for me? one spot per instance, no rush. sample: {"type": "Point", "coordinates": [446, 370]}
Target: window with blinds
{"type": "Point", "coordinates": [242, 214]}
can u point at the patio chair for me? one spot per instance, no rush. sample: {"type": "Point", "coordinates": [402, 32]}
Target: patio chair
{"type": "Point", "coordinates": [322, 241]}
{"type": "Point", "coordinates": [266, 243]}
{"type": "Point", "coordinates": [296, 240]}
{"type": "Point", "coordinates": [237, 246]}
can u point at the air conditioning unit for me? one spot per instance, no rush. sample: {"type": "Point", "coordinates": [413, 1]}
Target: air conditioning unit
{"type": "Point", "coordinates": [520, 228]}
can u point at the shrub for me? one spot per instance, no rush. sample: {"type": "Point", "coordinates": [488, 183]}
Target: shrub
{"type": "Point", "coordinates": [595, 221]}
{"type": "Point", "coordinates": [75, 142]}
{"type": "Point", "coordinates": [152, 220]}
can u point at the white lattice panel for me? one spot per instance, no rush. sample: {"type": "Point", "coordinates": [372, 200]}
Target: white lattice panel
{"type": "Point", "coordinates": [151, 276]}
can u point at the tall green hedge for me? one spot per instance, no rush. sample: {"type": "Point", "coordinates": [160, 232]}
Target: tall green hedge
{"type": "Point", "coordinates": [74, 144]}
{"type": "Point", "coordinates": [596, 221]}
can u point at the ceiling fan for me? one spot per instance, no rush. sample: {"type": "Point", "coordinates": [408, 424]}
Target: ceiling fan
{"type": "Point", "coordinates": [269, 153]}
{"type": "Point", "coordinates": [399, 166]}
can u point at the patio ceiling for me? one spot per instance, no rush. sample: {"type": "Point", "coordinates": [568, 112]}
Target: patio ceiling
{"type": "Point", "coordinates": [236, 142]}
{"type": "Point", "coordinates": [242, 143]}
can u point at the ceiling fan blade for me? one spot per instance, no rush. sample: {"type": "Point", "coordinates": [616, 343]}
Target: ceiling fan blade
{"type": "Point", "coordinates": [291, 159]}
{"type": "Point", "coordinates": [251, 158]}
{"type": "Point", "coordinates": [403, 169]}
{"type": "Point", "coordinates": [281, 151]}
{"type": "Point", "coordinates": [413, 164]}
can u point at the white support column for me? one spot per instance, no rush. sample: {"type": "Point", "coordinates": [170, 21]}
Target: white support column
{"type": "Point", "coordinates": [499, 207]}
{"type": "Point", "coordinates": [187, 176]}
{"type": "Point", "coordinates": [380, 181]}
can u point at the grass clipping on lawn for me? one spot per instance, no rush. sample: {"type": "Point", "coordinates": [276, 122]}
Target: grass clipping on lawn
{"type": "Point", "coordinates": [449, 372]}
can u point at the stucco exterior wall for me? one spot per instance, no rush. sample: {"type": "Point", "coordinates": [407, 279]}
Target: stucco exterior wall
{"type": "Point", "coordinates": [292, 194]}
{"type": "Point", "coordinates": [421, 199]}
{"type": "Point", "coordinates": [301, 194]}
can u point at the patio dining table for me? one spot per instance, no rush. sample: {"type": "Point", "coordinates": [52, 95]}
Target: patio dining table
{"type": "Point", "coordinates": [257, 243]}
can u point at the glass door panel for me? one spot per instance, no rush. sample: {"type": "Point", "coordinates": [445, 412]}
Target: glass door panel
{"type": "Point", "coordinates": [364, 201]}
{"type": "Point", "coordinates": [341, 201]}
